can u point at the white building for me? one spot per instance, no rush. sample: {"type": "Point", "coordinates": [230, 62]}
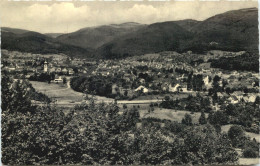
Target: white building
{"type": "Point", "coordinates": [45, 67]}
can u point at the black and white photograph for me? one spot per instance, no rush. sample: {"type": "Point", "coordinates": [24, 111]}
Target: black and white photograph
{"type": "Point", "coordinates": [129, 82]}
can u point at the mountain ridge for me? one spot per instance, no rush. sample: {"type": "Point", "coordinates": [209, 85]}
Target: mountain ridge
{"type": "Point", "coordinates": [234, 30]}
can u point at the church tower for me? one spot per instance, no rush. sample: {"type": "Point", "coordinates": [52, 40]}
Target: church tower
{"type": "Point", "coordinates": [45, 67]}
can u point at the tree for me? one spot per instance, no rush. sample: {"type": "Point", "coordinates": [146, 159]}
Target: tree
{"type": "Point", "coordinates": [205, 146]}
{"type": "Point", "coordinates": [187, 120]}
{"type": "Point", "coordinates": [95, 133]}
{"type": "Point", "coordinates": [64, 80]}
{"type": "Point", "coordinates": [125, 93]}
{"type": "Point", "coordinates": [231, 110]}
{"type": "Point", "coordinates": [130, 118]}
{"type": "Point", "coordinates": [250, 153]}
{"type": "Point", "coordinates": [216, 86]}
{"type": "Point", "coordinates": [167, 98]}
{"type": "Point", "coordinates": [235, 133]}
{"type": "Point", "coordinates": [151, 108]}
{"type": "Point", "coordinates": [202, 119]}
{"type": "Point", "coordinates": [218, 118]}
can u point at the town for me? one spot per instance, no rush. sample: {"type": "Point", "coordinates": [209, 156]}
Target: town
{"type": "Point", "coordinates": [156, 74]}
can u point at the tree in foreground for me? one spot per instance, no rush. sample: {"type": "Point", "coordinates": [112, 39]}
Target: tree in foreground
{"type": "Point", "coordinates": [97, 134]}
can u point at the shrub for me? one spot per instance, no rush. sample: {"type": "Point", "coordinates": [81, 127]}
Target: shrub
{"type": "Point", "coordinates": [250, 153]}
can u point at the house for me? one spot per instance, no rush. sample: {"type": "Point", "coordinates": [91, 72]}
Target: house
{"type": "Point", "coordinates": [52, 69]}
{"type": "Point", "coordinates": [64, 71]}
{"type": "Point", "coordinates": [175, 88]}
{"type": "Point", "coordinates": [207, 82]}
{"type": "Point", "coordinates": [58, 70]}
{"type": "Point", "coordinates": [233, 99]}
{"type": "Point", "coordinates": [239, 94]}
{"type": "Point", "coordinates": [58, 80]}
{"type": "Point", "coordinates": [11, 68]}
{"type": "Point", "coordinates": [104, 73]}
{"type": "Point", "coordinates": [250, 98]}
{"type": "Point", "coordinates": [71, 71]}
{"type": "Point", "coordinates": [142, 81]}
{"type": "Point", "coordinates": [115, 89]}
{"type": "Point", "coordinates": [142, 88]}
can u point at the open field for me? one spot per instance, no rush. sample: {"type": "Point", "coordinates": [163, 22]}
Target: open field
{"type": "Point", "coordinates": [173, 115]}
{"type": "Point", "coordinates": [225, 128]}
{"type": "Point", "coordinates": [67, 97]}
{"type": "Point", "coordinates": [61, 93]}
{"type": "Point", "coordinates": [249, 161]}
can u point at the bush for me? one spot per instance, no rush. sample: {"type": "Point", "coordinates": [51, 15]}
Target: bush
{"type": "Point", "coordinates": [187, 120]}
{"type": "Point", "coordinates": [202, 119]}
{"type": "Point", "coordinates": [250, 153]}
{"type": "Point", "coordinates": [236, 135]}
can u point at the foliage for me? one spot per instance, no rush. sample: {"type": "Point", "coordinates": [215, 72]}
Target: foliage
{"type": "Point", "coordinates": [94, 85]}
{"type": "Point", "coordinates": [250, 153]}
{"type": "Point", "coordinates": [195, 82]}
{"type": "Point", "coordinates": [187, 120]}
{"type": "Point", "coordinates": [94, 133]}
{"type": "Point", "coordinates": [191, 103]}
{"type": "Point", "coordinates": [202, 119]}
{"type": "Point", "coordinates": [243, 62]}
{"type": "Point", "coordinates": [43, 77]}
{"type": "Point", "coordinates": [236, 134]}
{"type": "Point", "coordinates": [218, 118]}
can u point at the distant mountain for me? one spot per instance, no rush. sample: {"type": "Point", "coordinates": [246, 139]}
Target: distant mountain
{"type": "Point", "coordinates": [94, 37]}
{"type": "Point", "coordinates": [53, 35]}
{"type": "Point", "coordinates": [149, 39]}
{"type": "Point", "coordinates": [13, 30]}
{"type": "Point", "coordinates": [187, 24]}
{"type": "Point", "coordinates": [234, 31]}
{"type": "Point", "coordinates": [38, 43]}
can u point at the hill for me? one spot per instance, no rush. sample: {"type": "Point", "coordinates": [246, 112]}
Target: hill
{"type": "Point", "coordinates": [53, 35]}
{"type": "Point", "coordinates": [94, 37]}
{"type": "Point", "coordinates": [150, 39]}
{"type": "Point", "coordinates": [187, 24]}
{"type": "Point", "coordinates": [38, 43]}
{"type": "Point", "coordinates": [233, 31]}
{"type": "Point", "coordinates": [13, 30]}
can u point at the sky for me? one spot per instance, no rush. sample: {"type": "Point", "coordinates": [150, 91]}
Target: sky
{"type": "Point", "coordinates": [64, 17]}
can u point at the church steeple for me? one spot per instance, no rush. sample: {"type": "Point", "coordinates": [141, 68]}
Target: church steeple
{"type": "Point", "coordinates": [45, 68]}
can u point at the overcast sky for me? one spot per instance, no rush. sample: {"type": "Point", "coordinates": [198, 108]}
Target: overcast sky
{"type": "Point", "coordinates": [63, 17]}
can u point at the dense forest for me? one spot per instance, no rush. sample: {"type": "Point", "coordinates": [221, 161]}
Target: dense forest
{"type": "Point", "coordinates": [97, 134]}
{"type": "Point", "coordinates": [241, 63]}
{"type": "Point", "coordinates": [98, 85]}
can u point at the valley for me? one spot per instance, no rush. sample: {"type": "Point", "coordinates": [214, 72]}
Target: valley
{"type": "Point", "coordinates": [180, 92]}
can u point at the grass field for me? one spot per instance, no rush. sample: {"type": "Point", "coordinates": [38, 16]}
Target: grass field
{"type": "Point", "coordinates": [173, 115]}
{"type": "Point", "coordinates": [63, 94]}
{"type": "Point", "coordinates": [59, 92]}
{"type": "Point", "coordinates": [249, 161]}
